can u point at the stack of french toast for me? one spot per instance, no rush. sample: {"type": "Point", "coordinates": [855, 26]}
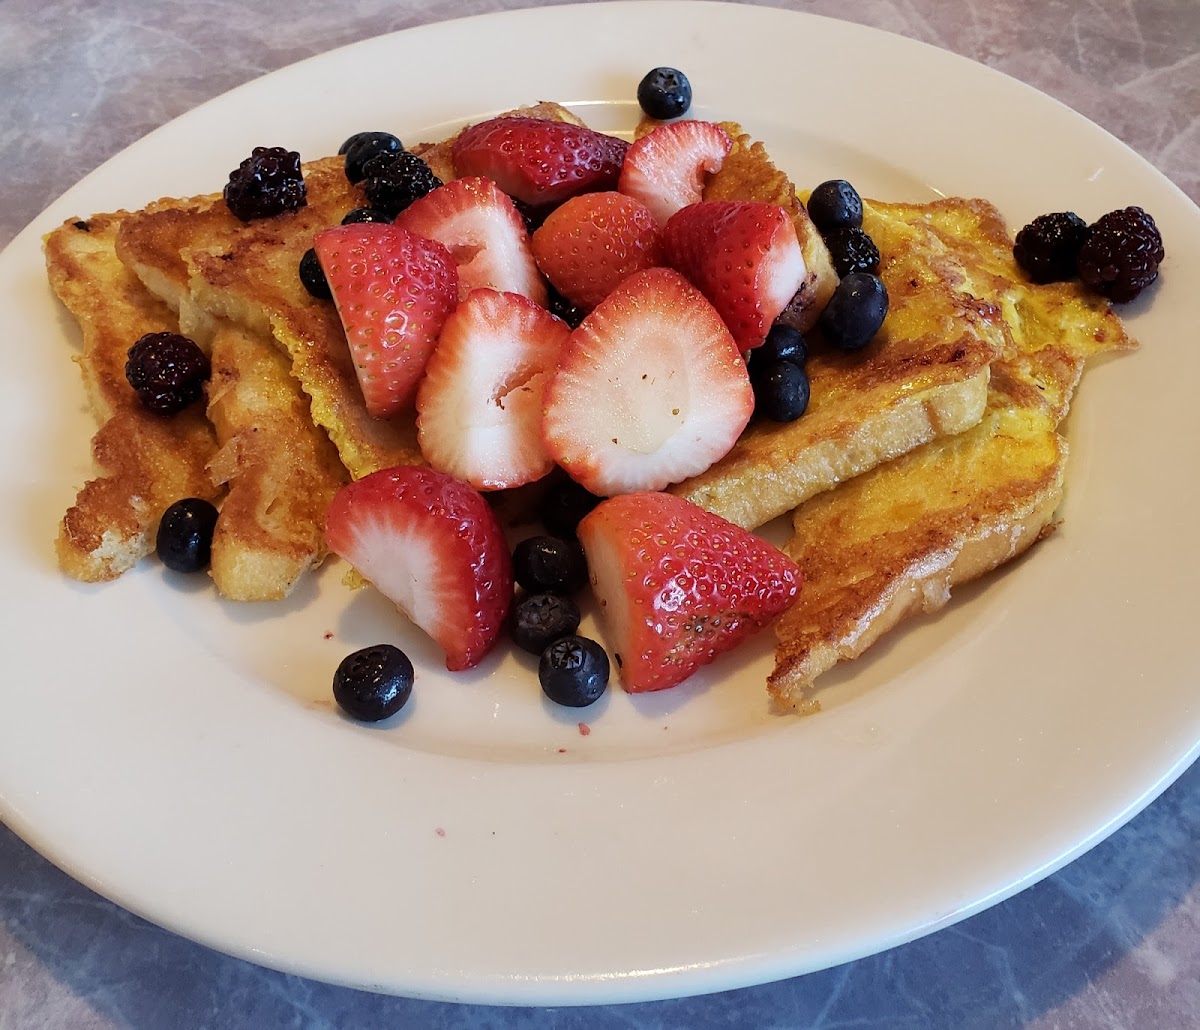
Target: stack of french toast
{"type": "Point", "coordinates": [924, 460]}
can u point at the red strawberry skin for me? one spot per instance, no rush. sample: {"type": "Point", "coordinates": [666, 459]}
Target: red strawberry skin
{"type": "Point", "coordinates": [393, 290]}
{"type": "Point", "coordinates": [743, 256]}
{"type": "Point", "coordinates": [668, 167]}
{"type": "Point", "coordinates": [590, 244]}
{"type": "Point", "coordinates": [479, 407]}
{"type": "Point", "coordinates": [650, 389]}
{"type": "Point", "coordinates": [433, 546]}
{"type": "Point", "coordinates": [539, 161]}
{"type": "Point", "coordinates": [678, 586]}
{"type": "Point", "coordinates": [485, 234]}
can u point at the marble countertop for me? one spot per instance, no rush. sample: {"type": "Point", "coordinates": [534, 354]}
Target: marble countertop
{"type": "Point", "coordinates": [1111, 941]}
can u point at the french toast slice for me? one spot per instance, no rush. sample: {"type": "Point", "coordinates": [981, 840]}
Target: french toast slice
{"type": "Point", "coordinates": [895, 541]}
{"type": "Point", "coordinates": [144, 462]}
{"type": "Point", "coordinates": [924, 375]}
{"type": "Point", "coordinates": [280, 469]}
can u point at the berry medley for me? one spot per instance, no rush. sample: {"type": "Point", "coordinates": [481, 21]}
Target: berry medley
{"type": "Point", "coordinates": [571, 309]}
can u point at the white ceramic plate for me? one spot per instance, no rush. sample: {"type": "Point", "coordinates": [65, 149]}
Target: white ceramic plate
{"type": "Point", "coordinates": [182, 756]}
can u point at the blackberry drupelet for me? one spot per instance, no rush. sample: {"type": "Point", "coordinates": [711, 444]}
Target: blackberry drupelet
{"type": "Point", "coordinates": [167, 371]}
{"type": "Point", "coordinates": [393, 181]}
{"type": "Point", "coordinates": [1121, 254]}
{"type": "Point", "coordinates": [1048, 247]}
{"type": "Point", "coordinates": [268, 183]}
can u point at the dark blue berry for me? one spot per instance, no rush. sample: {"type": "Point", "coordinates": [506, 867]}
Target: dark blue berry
{"type": "Point", "coordinates": [167, 371]}
{"type": "Point", "coordinates": [855, 312]}
{"type": "Point", "coordinates": [852, 250]}
{"type": "Point", "coordinates": [268, 183]}
{"type": "Point", "coordinates": [374, 683]}
{"type": "Point", "coordinates": [780, 391]}
{"type": "Point", "coordinates": [363, 146]}
{"type": "Point", "coordinates": [664, 93]}
{"type": "Point", "coordinates": [564, 309]}
{"type": "Point", "coordinates": [185, 531]}
{"type": "Point", "coordinates": [540, 619]}
{"type": "Point", "coordinates": [365, 214]}
{"type": "Point", "coordinates": [312, 275]}
{"type": "Point", "coordinates": [393, 181]}
{"type": "Point", "coordinates": [564, 505]}
{"type": "Point", "coordinates": [835, 204]}
{"type": "Point", "coordinates": [573, 671]}
{"type": "Point", "coordinates": [783, 343]}
{"type": "Point", "coordinates": [549, 565]}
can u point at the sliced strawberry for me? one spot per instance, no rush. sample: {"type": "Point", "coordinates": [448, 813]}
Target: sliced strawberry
{"type": "Point", "coordinates": [393, 290]}
{"type": "Point", "coordinates": [678, 586]}
{"type": "Point", "coordinates": [650, 389]}
{"type": "Point", "coordinates": [433, 547]}
{"type": "Point", "coordinates": [591, 243]}
{"type": "Point", "coordinates": [539, 161]}
{"type": "Point", "coordinates": [666, 169]}
{"type": "Point", "coordinates": [486, 236]}
{"type": "Point", "coordinates": [743, 256]}
{"type": "Point", "coordinates": [479, 407]}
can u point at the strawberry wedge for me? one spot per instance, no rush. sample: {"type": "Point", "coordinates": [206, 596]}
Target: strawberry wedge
{"type": "Point", "coordinates": [678, 586]}
{"type": "Point", "coordinates": [479, 407]}
{"type": "Point", "coordinates": [484, 233]}
{"type": "Point", "coordinates": [743, 256]}
{"type": "Point", "coordinates": [667, 168]}
{"type": "Point", "coordinates": [650, 389]}
{"type": "Point", "coordinates": [393, 290]}
{"type": "Point", "coordinates": [433, 546]}
{"type": "Point", "coordinates": [538, 161]}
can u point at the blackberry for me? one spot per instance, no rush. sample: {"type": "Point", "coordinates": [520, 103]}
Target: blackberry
{"type": "Point", "coordinates": [393, 181]}
{"type": "Point", "coordinates": [312, 275]}
{"type": "Point", "coordinates": [1121, 254]}
{"type": "Point", "coordinates": [167, 371]}
{"type": "Point", "coordinates": [835, 204]}
{"type": "Point", "coordinates": [561, 307]}
{"type": "Point", "coordinates": [1048, 247]}
{"type": "Point", "coordinates": [852, 250]}
{"type": "Point", "coordinates": [664, 93]}
{"type": "Point", "coordinates": [269, 182]}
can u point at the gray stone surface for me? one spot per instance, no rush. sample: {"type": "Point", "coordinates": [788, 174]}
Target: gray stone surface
{"type": "Point", "coordinates": [1112, 941]}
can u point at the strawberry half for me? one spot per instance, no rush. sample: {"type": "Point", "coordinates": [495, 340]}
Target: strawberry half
{"type": "Point", "coordinates": [486, 236]}
{"type": "Point", "coordinates": [666, 169]}
{"type": "Point", "coordinates": [393, 290]}
{"type": "Point", "coordinates": [539, 161]}
{"type": "Point", "coordinates": [743, 256]}
{"type": "Point", "coordinates": [591, 243]}
{"type": "Point", "coordinates": [479, 407]}
{"type": "Point", "coordinates": [650, 389]}
{"type": "Point", "coordinates": [433, 547]}
{"type": "Point", "coordinates": [678, 586]}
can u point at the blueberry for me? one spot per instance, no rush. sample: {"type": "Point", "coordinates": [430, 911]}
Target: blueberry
{"type": "Point", "coordinates": [365, 214]}
{"type": "Point", "coordinates": [780, 391]}
{"type": "Point", "coordinates": [540, 619]}
{"type": "Point", "coordinates": [185, 532]}
{"type": "Point", "coordinates": [835, 204]}
{"type": "Point", "coordinates": [373, 683]}
{"type": "Point", "coordinates": [783, 343]}
{"type": "Point", "coordinates": [363, 146]}
{"type": "Point", "coordinates": [167, 371]}
{"type": "Point", "coordinates": [665, 93]}
{"type": "Point", "coordinates": [549, 565]}
{"type": "Point", "coordinates": [562, 308]}
{"type": "Point", "coordinates": [312, 275]}
{"type": "Point", "coordinates": [573, 671]}
{"type": "Point", "coordinates": [564, 505]}
{"type": "Point", "coordinates": [855, 312]}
